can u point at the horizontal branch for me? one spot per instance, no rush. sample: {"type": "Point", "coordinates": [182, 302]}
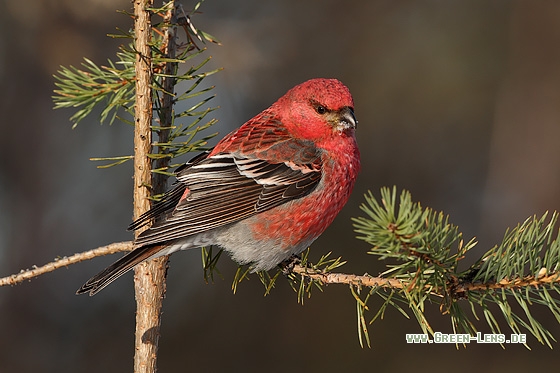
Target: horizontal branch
{"type": "Point", "coordinates": [65, 261]}
{"type": "Point", "coordinates": [349, 279]}
{"type": "Point", "coordinates": [456, 290]}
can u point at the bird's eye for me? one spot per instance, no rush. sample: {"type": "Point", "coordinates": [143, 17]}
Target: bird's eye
{"type": "Point", "coordinates": [321, 109]}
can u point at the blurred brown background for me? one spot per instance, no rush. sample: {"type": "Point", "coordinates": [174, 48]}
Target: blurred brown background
{"type": "Point", "coordinates": [458, 102]}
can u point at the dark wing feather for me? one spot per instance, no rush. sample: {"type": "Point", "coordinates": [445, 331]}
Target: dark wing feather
{"type": "Point", "coordinates": [171, 198]}
{"type": "Point", "coordinates": [226, 188]}
{"type": "Point", "coordinates": [117, 269]}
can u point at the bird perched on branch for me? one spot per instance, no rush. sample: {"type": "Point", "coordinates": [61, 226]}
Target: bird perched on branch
{"type": "Point", "coordinates": [265, 192]}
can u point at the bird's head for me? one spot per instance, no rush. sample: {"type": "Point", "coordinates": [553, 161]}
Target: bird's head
{"type": "Point", "coordinates": [318, 108]}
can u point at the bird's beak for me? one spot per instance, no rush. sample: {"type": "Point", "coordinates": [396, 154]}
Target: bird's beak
{"type": "Point", "coordinates": [346, 119]}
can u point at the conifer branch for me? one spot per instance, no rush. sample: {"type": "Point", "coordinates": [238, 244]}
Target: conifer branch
{"type": "Point", "coordinates": [423, 251]}
{"type": "Point", "coordinates": [455, 289]}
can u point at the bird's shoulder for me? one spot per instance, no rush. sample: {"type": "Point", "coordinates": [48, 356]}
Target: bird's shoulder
{"type": "Point", "coordinates": [266, 137]}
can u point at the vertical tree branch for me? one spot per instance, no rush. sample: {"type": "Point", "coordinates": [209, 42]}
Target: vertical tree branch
{"type": "Point", "coordinates": [149, 277]}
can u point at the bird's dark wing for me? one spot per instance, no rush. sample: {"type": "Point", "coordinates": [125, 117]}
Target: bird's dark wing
{"type": "Point", "coordinates": [226, 188]}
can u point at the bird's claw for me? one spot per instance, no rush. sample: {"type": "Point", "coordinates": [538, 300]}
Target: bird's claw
{"type": "Point", "coordinates": [288, 265]}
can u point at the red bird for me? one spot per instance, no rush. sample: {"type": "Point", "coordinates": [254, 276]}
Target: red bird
{"type": "Point", "coordinates": [264, 192]}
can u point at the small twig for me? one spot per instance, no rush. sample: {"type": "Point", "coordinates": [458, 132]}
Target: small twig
{"type": "Point", "coordinates": [518, 283]}
{"type": "Point", "coordinates": [64, 262]}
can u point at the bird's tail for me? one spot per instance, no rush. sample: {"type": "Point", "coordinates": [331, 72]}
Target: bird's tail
{"type": "Point", "coordinates": [117, 269]}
